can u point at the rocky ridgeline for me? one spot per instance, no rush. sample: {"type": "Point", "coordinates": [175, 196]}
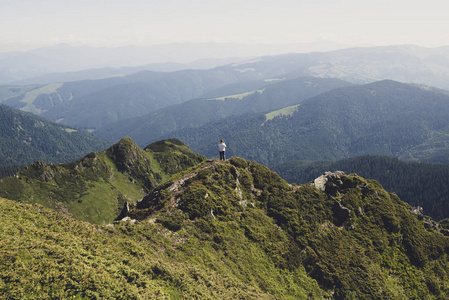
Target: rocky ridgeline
{"type": "Point", "coordinates": [335, 184]}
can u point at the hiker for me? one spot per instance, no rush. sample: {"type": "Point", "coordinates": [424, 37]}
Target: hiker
{"type": "Point", "coordinates": [222, 149]}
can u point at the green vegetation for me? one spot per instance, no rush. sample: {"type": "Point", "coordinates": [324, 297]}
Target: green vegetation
{"type": "Point", "coordinates": [9, 171]}
{"type": "Point", "coordinates": [217, 230]}
{"type": "Point", "coordinates": [418, 184]}
{"type": "Point", "coordinates": [286, 111]}
{"type": "Point", "coordinates": [47, 255]}
{"type": "Point", "coordinates": [96, 187]}
{"type": "Point", "coordinates": [355, 239]}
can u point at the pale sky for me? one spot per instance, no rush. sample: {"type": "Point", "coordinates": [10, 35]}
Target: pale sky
{"type": "Point", "coordinates": [26, 24]}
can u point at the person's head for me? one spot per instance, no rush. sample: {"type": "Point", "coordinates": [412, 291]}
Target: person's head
{"type": "Point", "coordinates": [221, 141]}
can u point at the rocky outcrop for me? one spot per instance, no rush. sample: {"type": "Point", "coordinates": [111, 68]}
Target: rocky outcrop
{"type": "Point", "coordinates": [341, 213]}
{"type": "Point", "coordinates": [429, 224]}
{"type": "Point", "coordinates": [329, 182]}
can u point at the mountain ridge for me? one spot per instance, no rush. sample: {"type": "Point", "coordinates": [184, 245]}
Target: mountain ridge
{"type": "Point", "coordinates": [232, 225]}
{"type": "Point", "coordinates": [96, 187]}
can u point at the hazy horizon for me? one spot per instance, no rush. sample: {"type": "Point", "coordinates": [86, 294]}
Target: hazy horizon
{"type": "Point", "coordinates": [31, 24]}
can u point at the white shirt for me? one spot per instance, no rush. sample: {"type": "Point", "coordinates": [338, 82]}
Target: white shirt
{"type": "Point", "coordinates": [222, 147]}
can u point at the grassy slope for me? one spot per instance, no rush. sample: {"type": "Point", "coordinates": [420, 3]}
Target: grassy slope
{"type": "Point", "coordinates": [47, 255]}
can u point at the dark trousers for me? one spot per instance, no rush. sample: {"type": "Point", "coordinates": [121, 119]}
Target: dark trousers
{"type": "Point", "coordinates": [222, 155]}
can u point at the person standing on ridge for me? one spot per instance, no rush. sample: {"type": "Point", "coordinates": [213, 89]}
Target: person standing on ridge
{"type": "Point", "coordinates": [222, 149]}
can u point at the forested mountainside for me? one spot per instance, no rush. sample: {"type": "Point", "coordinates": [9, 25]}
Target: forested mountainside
{"type": "Point", "coordinates": [231, 230]}
{"type": "Point", "coordinates": [193, 113]}
{"type": "Point", "coordinates": [9, 170]}
{"type": "Point", "coordinates": [97, 187]}
{"type": "Point", "coordinates": [418, 184]}
{"type": "Point", "coordinates": [26, 138]}
{"type": "Point", "coordinates": [383, 118]}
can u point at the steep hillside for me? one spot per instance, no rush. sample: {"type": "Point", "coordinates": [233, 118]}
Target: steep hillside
{"type": "Point", "coordinates": [97, 187]}
{"type": "Point", "coordinates": [382, 118]}
{"type": "Point", "coordinates": [47, 255]}
{"type": "Point", "coordinates": [227, 230]}
{"type": "Point", "coordinates": [418, 184]}
{"type": "Point", "coordinates": [194, 113]}
{"type": "Point", "coordinates": [25, 138]}
{"type": "Point", "coordinates": [353, 237]}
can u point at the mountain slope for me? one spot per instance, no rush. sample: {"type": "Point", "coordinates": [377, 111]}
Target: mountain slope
{"type": "Point", "coordinates": [73, 259]}
{"type": "Point", "coordinates": [349, 234]}
{"type": "Point", "coordinates": [226, 230]}
{"type": "Point", "coordinates": [97, 187]}
{"type": "Point", "coordinates": [26, 138]}
{"type": "Point", "coordinates": [418, 184]}
{"type": "Point", "coordinates": [382, 118]}
{"type": "Point", "coordinates": [194, 113]}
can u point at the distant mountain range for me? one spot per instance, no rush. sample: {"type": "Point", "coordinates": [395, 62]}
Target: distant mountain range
{"type": "Point", "coordinates": [93, 104]}
{"type": "Point", "coordinates": [40, 65]}
{"type": "Point", "coordinates": [25, 138]}
{"type": "Point", "coordinates": [108, 72]}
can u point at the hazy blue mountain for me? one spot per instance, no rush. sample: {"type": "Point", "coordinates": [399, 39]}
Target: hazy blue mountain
{"type": "Point", "coordinates": [194, 113]}
{"type": "Point", "coordinates": [17, 65]}
{"type": "Point", "coordinates": [25, 138]}
{"type": "Point", "coordinates": [382, 118]}
{"type": "Point", "coordinates": [103, 73]}
{"type": "Point", "coordinates": [408, 64]}
{"type": "Point", "coordinates": [418, 184]}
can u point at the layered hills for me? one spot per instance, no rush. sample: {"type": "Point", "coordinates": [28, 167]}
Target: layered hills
{"type": "Point", "coordinates": [26, 138]}
{"type": "Point", "coordinates": [228, 230]}
{"type": "Point", "coordinates": [92, 104]}
{"type": "Point", "coordinates": [194, 113]}
{"type": "Point", "coordinates": [382, 118]}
